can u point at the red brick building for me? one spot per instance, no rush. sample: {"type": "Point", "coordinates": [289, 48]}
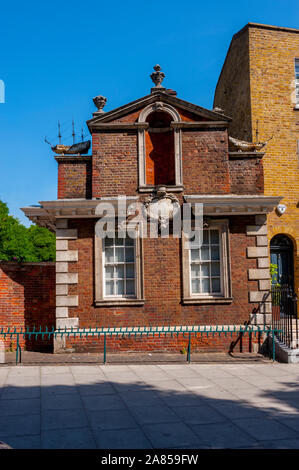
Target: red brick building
{"type": "Point", "coordinates": [156, 150]}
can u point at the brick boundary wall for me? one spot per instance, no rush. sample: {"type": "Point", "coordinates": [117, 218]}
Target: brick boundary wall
{"type": "Point", "coordinates": [27, 298]}
{"type": "Point", "coordinates": [164, 344]}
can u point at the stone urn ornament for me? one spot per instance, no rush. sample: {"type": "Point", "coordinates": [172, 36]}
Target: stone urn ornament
{"type": "Point", "coordinates": [157, 76]}
{"type": "Point", "coordinates": [100, 101]}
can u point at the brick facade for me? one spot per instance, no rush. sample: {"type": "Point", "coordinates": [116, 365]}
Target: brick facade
{"type": "Point", "coordinates": [162, 273]}
{"type": "Point", "coordinates": [256, 88]}
{"type": "Point", "coordinates": [27, 299]}
{"type": "Point", "coordinates": [203, 168]}
{"type": "Point", "coordinates": [74, 177]}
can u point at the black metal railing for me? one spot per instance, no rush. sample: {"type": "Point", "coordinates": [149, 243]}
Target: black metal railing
{"type": "Point", "coordinates": [284, 314]}
{"type": "Point", "coordinates": [255, 311]}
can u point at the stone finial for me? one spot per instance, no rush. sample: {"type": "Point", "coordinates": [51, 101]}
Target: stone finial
{"type": "Point", "coordinates": [100, 102]}
{"type": "Point", "coordinates": [157, 76]}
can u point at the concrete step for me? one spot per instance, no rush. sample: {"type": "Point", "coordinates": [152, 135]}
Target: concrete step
{"type": "Point", "coordinates": [285, 354]}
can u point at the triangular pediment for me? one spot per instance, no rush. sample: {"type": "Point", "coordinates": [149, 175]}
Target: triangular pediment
{"type": "Point", "coordinates": [197, 112]}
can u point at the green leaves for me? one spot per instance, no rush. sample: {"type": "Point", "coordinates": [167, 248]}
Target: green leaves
{"type": "Point", "coordinates": [19, 243]}
{"type": "Point", "coordinates": [274, 274]}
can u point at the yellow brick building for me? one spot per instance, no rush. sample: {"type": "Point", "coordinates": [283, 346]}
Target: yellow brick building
{"type": "Point", "coordinates": [257, 88]}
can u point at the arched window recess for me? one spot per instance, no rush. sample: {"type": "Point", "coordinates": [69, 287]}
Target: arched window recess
{"type": "Point", "coordinates": [159, 149]}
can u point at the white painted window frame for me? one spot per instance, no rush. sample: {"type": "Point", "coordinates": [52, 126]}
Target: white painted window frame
{"type": "Point", "coordinates": [122, 263]}
{"type": "Point", "coordinates": [296, 64]}
{"type": "Point", "coordinates": [225, 296]}
{"type": "Point", "coordinates": [100, 298]}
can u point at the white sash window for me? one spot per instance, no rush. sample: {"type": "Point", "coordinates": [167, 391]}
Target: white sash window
{"type": "Point", "coordinates": [206, 267]}
{"type": "Point", "coordinates": [118, 271]}
{"type": "Point", "coordinates": [119, 267]}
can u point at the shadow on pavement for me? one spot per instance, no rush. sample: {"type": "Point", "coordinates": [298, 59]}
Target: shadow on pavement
{"type": "Point", "coordinates": [166, 406]}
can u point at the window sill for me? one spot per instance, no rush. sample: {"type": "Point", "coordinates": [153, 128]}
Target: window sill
{"type": "Point", "coordinates": [118, 302]}
{"type": "Point", "coordinates": [150, 189]}
{"type": "Point", "coordinates": [207, 300]}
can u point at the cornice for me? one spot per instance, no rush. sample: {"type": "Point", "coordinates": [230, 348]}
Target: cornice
{"type": "Point", "coordinates": [73, 158]}
{"type": "Point", "coordinates": [120, 126]}
{"type": "Point", "coordinates": [242, 155]}
{"type": "Point", "coordinates": [198, 124]}
{"type": "Point", "coordinates": [233, 204]}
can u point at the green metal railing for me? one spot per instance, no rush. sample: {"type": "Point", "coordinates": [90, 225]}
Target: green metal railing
{"type": "Point", "coordinates": [142, 331]}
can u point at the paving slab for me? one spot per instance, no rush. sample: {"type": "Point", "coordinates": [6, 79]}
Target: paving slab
{"type": "Point", "coordinates": [121, 376]}
{"type": "Point", "coordinates": [27, 381]}
{"type": "Point", "coordinates": [290, 422]}
{"type": "Point", "coordinates": [103, 388]}
{"type": "Point", "coordinates": [61, 402]}
{"type": "Point", "coordinates": [56, 390]}
{"type": "Point", "coordinates": [141, 398]}
{"type": "Point", "coordinates": [87, 370]}
{"type": "Point", "coordinates": [89, 379]}
{"type": "Point", "coordinates": [154, 414]}
{"type": "Point", "coordinates": [148, 372]}
{"type": "Point", "coordinates": [19, 425]}
{"type": "Point", "coordinates": [274, 408]}
{"type": "Point", "coordinates": [11, 392]}
{"type": "Point", "coordinates": [210, 371]}
{"type": "Point", "coordinates": [76, 438]}
{"type": "Point", "coordinates": [58, 379]}
{"type": "Point", "coordinates": [50, 370]}
{"type": "Point", "coordinates": [268, 428]}
{"type": "Point", "coordinates": [165, 436]}
{"type": "Point", "coordinates": [179, 371]}
{"type": "Point", "coordinates": [181, 399]}
{"type": "Point", "coordinates": [280, 444]}
{"type": "Point", "coordinates": [237, 410]}
{"type": "Point", "coordinates": [111, 419]}
{"type": "Point", "coordinates": [19, 407]}
{"type": "Point", "coordinates": [102, 402]}
{"type": "Point", "coordinates": [231, 383]}
{"type": "Point", "coordinates": [195, 383]}
{"type": "Point", "coordinates": [122, 439]}
{"type": "Point", "coordinates": [24, 370]}
{"type": "Point", "coordinates": [63, 419]}
{"type": "Point", "coordinates": [203, 414]}
{"type": "Point", "coordinates": [224, 436]}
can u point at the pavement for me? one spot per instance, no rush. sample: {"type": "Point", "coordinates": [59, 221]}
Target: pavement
{"type": "Point", "coordinates": [167, 406]}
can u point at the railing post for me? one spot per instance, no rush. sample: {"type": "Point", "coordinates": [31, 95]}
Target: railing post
{"type": "Point", "coordinates": [189, 349]}
{"type": "Point", "coordinates": [273, 345]}
{"type": "Point", "coordinates": [296, 316]}
{"type": "Point", "coordinates": [18, 351]}
{"type": "Point", "coordinates": [105, 348]}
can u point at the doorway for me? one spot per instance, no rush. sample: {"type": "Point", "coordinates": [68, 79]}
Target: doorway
{"type": "Point", "coordinates": [281, 253]}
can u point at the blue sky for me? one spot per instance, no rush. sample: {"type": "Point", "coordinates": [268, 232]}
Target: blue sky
{"type": "Point", "coordinates": [56, 56]}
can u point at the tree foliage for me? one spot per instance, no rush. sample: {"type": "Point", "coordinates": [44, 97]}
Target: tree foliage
{"type": "Point", "coordinates": [19, 243]}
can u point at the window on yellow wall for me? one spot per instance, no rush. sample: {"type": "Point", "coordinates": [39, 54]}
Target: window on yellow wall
{"type": "Point", "coordinates": [297, 82]}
